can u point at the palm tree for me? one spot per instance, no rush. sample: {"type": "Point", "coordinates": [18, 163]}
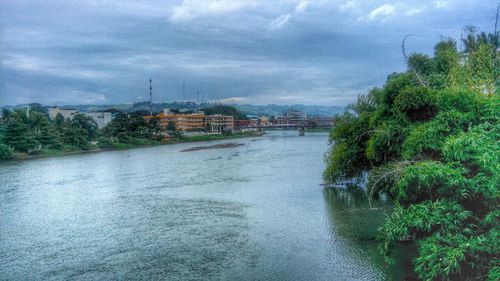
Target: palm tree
{"type": "Point", "coordinates": [475, 39]}
{"type": "Point", "coordinates": [6, 114]}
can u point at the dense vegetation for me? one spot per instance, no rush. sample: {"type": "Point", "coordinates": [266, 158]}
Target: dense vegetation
{"type": "Point", "coordinates": [429, 139]}
{"type": "Point", "coordinates": [130, 129]}
{"type": "Point", "coordinates": [225, 110]}
{"type": "Point", "coordinates": [30, 131]}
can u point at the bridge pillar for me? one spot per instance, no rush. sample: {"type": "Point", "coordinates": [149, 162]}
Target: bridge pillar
{"type": "Point", "coordinates": [302, 131]}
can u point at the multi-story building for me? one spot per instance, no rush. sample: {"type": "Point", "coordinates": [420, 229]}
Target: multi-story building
{"type": "Point", "coordinates": [248, 123]}
{"type": "Point", "coordinates": [189, 122]}
{"type": "Point", "coordinates": [320, 121]}
{"type": "Point", "coordinates": [293, 117]}
{"type": "Point", "coordinates": [219, 123]}
{"type": "Point", "coordinates": [197, 121]}
{"type": "Point", "coordinates": [264, 121]}
{"type": "Point", "coordinates": [67, 113]}
{"type": "Point", "coordinates": [182, 122]}
{"type": "Point", "coordinates": [242, 123]}
{"type": "Point", "coordinates": [101, 118]}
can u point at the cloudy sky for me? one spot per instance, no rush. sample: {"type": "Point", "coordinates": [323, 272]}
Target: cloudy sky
{"type": "Point", "coordinates": [246, 51]}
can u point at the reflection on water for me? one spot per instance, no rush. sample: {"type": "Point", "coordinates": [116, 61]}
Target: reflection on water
{"type": "Point", "coordinates": [252, 212]}
{"type": "Point", "coordinates": [356, 219]}
{"type": "Point", "coordinates": [353, 215]}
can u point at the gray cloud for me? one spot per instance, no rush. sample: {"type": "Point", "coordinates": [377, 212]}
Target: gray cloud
{"type": "Point", "coordinates": [255, 51]}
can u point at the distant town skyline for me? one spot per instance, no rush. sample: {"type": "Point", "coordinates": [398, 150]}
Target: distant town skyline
{"type": "Point", "coordinates": [323, 52]}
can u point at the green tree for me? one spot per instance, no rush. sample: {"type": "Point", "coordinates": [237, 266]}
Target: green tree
{"type": "Point", "coordinates": [153, 126]}
{"type": "Point", "coordinates": [131, 128]}
{"type": "Point", "coordinates": [43, 130]}
{"type": "Point", "coordinates": [86, 124]}
{"type": "Point", "coordinates": [6, 114]}
{"type": "Point", "coordinates": [434, 151]}
{"type": "Point", "coordinates": [6, 152]}
{"type": "Point", "coordinates": [19, 136]}
{"type": "Point", "coordinates": [225, 110]}
{"type": "Point", "coordinates": [77, 132]}
{"type": "Point", "coordinates": [171, 126]}
{"type": "Point", "coordinates": [59, 120]}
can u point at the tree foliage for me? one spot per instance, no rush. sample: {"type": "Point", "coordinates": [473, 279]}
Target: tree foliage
{"type": "Point", "coordinates": [225, 110]}
{"type": "Point", "coordinates": [6, 152]}
{"type": "Point", "coordinates": [28, 131]}
{"type": "Point", "coordinates": [435, 151]}
{"type": "Point", "coordinates": [131, 128]}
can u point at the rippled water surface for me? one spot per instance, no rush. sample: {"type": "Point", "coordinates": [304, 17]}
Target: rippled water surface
{"type": "Point", "coordinates": [253, 212]}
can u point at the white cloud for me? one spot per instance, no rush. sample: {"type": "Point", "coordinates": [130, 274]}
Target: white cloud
{"type": "Point", "coordinates": [289, 98]}
{"type": "Point", "coordinates": [440, 4]}
{"type": "Point", "coordinates": [301, 6]}
{"type": "Point", "coordinates": [61, 96]}
{"type": "Point", "coordinates": [128, 7]}
{"type": "Point", "coordinates": [52, 67]}
{"type": "Point", "coordinates": [414, 11]}
{"type": "Point", "coordinates": [78, 97]}
{"type": "Point", "coordinates": [347, 6]}
{"type": "Point", "coordinates": [279, 21]}
{"type": "Point", "coordinates": [233, 100]}
{"type": "Point", "coordinates": [192, 9]}
{"type": "Point", "coordinates": [232, 48]}
{"type": "Point", "coordinates": [381, 12]}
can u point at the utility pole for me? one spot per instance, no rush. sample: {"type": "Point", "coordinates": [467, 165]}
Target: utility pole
{"type": "Point", "coordinates": [150, 97]}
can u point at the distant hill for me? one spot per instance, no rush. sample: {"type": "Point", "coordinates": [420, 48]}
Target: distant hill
{"type": "Point", "coordinates": [225, 110]}
{"type": "Point", "coordinates": [246, 109]}
{"type": "Point", "coordinates": [277, 110]}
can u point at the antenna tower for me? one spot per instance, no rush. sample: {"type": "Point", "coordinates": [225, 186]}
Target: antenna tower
{"type": "Point", "coordinates": [150, 97]}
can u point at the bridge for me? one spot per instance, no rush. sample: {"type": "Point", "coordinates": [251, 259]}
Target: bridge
{"type": "Point", "coordinates": [301, 127]}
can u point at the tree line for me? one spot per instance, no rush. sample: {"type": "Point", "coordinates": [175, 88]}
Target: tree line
{"type": "Point", "coordinates": [429, 139]}
{"type": "Point", "coordinates": [30, 131]}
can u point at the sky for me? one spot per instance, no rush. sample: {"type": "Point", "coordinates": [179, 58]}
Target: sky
{"type": "Point", "coordinates": [323, 52]}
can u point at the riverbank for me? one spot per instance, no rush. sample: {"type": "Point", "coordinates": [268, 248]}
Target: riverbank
{"type": "Point", "coordinates": [124, 146]}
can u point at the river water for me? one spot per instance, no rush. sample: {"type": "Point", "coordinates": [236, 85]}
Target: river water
{"type": "Point", "coordinates": [252, 212]}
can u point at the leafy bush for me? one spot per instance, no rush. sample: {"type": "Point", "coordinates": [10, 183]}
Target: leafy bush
{"type": "Point", "coordinates": [426, 140]}
{"type": "Point", "coordinates": [434, 149]}
{"type": "Point", "coordinates": [385, 143]}
{"type": "Point", "coordinates": [6, 152]}
{"type": "Point", "coordinates": [416, 103]}
{"type": "Point", "coordinates": [104, 142]}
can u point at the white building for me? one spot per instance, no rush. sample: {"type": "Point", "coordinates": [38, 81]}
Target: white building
{"type": "Point", "coordinates": [66, 113]}
{"type": "Point", "coordinates": [218, 123]}
{"type": "Point", "coordinates": [294, 117]}
{"type": "Point", "coordinates": [101, 118]}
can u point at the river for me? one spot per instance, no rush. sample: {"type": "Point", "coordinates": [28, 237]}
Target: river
{"type": "Point", "coordinates": [251, 212]}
